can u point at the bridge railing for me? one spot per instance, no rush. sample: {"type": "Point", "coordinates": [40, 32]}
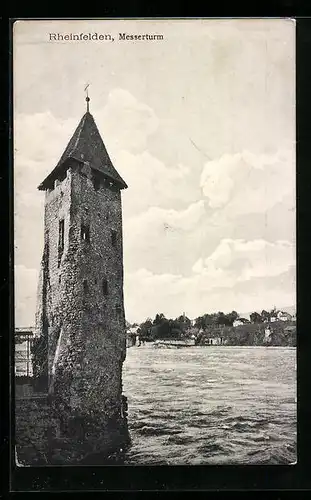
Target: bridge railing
{"type": "Point", "coordinates": [23, 339]}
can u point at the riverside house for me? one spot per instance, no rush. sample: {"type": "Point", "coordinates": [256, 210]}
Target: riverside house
{"type": "Point", "coordinates": [240, 321]}
{"type": "Point", "coordinates": [284, 316]}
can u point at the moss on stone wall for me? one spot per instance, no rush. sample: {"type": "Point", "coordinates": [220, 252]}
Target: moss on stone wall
{"type": "Point", "coordinates": [45, 436]}
{"type": "Point", "coordinates": [84, 324]}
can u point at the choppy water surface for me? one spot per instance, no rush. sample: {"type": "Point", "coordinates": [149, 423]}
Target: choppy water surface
{"type": "Point", "coordinates": [211, 405]}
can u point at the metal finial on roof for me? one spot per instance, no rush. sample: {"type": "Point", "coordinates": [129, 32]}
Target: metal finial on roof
{"type": "Point", "coordinates": [87, 97]}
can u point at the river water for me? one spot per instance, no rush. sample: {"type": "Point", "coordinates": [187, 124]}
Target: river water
{"type": "Point", "coordinates": [211, 405]}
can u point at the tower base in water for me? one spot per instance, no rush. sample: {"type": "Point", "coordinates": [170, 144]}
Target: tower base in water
{"type": "Point", "coordinates": [44, 437]}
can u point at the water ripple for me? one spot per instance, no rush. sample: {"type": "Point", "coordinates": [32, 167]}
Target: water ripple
{"type": "Point", "coordinates": [216, 405]}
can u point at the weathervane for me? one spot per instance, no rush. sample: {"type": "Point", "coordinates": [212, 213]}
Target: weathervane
{"type": "Point", "coordinates": [87, 97]}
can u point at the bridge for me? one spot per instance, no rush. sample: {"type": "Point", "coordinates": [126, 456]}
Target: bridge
{"type": "Point", "coordinates": [23, 339]}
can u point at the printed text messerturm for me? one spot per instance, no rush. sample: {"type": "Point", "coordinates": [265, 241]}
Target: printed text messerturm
{"type": "Point", "coordinates": [72, 37]}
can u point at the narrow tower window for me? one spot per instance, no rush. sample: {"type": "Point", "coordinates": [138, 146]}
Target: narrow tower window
{"type": "Point", "coordinates": [85, 287]}
{"type": "Point", "coordinates": [96, 181]}
{"type": "Point", "coordinates": [113, 237]}
{"type": "Point", "coordinates": [61, 235]}
{"type": "Point", "coordinates": [85, 232]}
{"type": "Point", "coordinates": [105, 286]}
{"type": "Point", "coordinates": [118, 311]}
{"type": "Point", "coordinates": [47, 249]}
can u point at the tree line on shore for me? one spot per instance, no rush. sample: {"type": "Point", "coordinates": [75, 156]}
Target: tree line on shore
{"type": "Point", "coordinates": [252, 332]}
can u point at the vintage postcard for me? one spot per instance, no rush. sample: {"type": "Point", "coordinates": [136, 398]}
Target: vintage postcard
{"type": "Point", "coordinates": [154, 242]}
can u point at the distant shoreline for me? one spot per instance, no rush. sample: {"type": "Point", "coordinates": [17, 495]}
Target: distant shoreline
{"type": "Point", "coordinates": [274, 334]}
{"type": "Point", "coordinates": [151, 345]}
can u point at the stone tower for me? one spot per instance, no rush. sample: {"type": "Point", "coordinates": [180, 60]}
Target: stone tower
{"type": "Point", "coordinates": [80, 319]}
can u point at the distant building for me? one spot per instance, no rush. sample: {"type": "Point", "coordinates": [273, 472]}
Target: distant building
{"type": "Point", "coordinates": [23, 359]}
{"type": "Point", "coordinates": [284, 316]}
{"type": "Point", "coordinates": [133, 330]}
{"type": "Point", "coordinates": [132, 336]}
{"type": "Point", "coordinates": [214, 341]}
{"type": "Point", "coordinates": [240, 321]}
{"type": "Point", "coordinates": [193, 333]}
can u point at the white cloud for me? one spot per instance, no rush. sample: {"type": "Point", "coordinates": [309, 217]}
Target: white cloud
{"type": "Point", "coordinates": [40, 138]}
{"type": "Point", "coordinates": [235, 276]}
{"type": "Point", "coordinates": [164, 240]}
{"type": "Point", "coordinates": [239, 189]}
{"type": "Point", "coordinates": [39, 141]}
{"type": "Point", "coordinates": [239, 260]}
{"type": "Point", "coordinates": [152, 183]}
{"type": "Point", "coordinates": [248, 183]}
{"type": "Point", "coordinates": [126, 121]}
{"type": "Point", "coordinates": [167, 219]}
{"type": "Point", "coordinates": [180, 243]}
{"type": "Point", "coordinates": [147, 293]}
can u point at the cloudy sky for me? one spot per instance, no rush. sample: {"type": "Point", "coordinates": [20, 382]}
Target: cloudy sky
{"type": "Point", "coordinates": [201, 126]}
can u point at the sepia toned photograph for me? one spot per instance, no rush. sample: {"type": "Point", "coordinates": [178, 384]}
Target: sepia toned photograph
{"type": "Point", "coordinates": [154, 242]}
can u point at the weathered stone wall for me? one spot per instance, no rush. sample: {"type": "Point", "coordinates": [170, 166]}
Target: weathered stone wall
{"type": "Point", "coordinates": [51, 290]}
{"type": "Point", "coordinates": [40, 438]}
{"type": "Point", "coordinates": [33, 418]}
{"type": "Point", "coordinates": [84, 316]}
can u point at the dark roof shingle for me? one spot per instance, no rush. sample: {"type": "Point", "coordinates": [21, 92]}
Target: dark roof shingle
{"type": "Point", "coordinates": [86, 145]}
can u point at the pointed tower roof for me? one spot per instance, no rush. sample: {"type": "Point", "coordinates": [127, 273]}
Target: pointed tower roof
{"type": "Point", "coordinates": [86, 145]}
